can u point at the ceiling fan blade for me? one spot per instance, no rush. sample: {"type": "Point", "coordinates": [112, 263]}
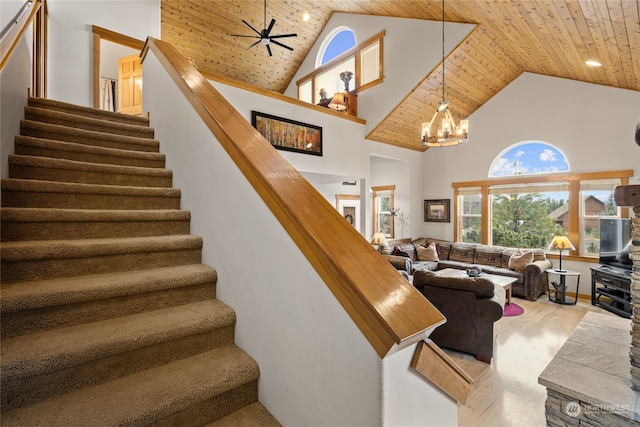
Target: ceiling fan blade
{"type": "Point", "coordinates": [249, 25]}
{"type": "Point", "coordinates": [271, 24]}
{"type": "Point", "coordinates": [253, 44]}
{"type": "Point", "coordinates": [283, 35]}
{"type": "Point", "coordinates": [242, 35]}
{"type": "Point", "coordinates": [280, 44]}
{"type": "Point", "coordinates": [268, 49]}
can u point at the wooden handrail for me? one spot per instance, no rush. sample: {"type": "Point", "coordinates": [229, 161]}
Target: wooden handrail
{"type": "Point", "coordinates": [387, 309]}
{"type": "Point", "coordinates": [13, 36]}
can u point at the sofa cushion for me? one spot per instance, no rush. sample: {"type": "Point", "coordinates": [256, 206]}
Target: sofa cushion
{"type": "Point", "coordinates": [539, 255]}
{"type": "Point", "coordinates": [481, 286]}
{"type": "Point", "coordinates": [442, 246]}
{"type": "Point", "coordinates": [488, 255]}
{"type": "Point", "coordinates": [427, 254]}
{"type": "Point", "coordinates": [409, 249]}
{"type": "Point", "coordinates": [454, 264]}
{"type": "Point", "coordinates": [499, 271]}
{"type": "Point", "coordinates": [463, 252]}
{"type": "Point", "coordinates": [386, 249]}
{"type": "Point", "coordinates": [519, 260]}
{"type": "Point", "coordinates": [399, 252]}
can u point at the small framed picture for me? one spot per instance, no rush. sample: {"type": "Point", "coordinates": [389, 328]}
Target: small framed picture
{"type": "Point", "coordinates": [437, 210]}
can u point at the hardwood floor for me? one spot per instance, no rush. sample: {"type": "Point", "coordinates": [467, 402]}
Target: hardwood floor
{"type": "Point", "coordinates": [506, 393]}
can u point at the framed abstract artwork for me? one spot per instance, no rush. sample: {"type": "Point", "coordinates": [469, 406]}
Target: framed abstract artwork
{"type": "Point", "coordinates": [288, 135]}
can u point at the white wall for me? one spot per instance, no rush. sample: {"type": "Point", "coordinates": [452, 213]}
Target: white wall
{"type": "Point", "coordinates": [412, 48]}
{"type": "Point", "coordinates": [9, 9]}
{"type": "Point", "coordinates": [345, 151]}
{"type": "Point", "coordinates": [592, 125]}
{"type": "Point", "coordinates": [71, 40]}
{"type": "Point", "coordinates": [385, 171]}
{"type": "Point", "coordinates": [316, 367]}
{"type": "Point", "coordinates": [15, 80]}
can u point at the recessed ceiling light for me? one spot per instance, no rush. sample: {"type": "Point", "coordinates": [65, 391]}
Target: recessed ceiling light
{"type": "Point", "coordinates": [306, 16]}
{"type": "Point", "coordinates": [593, 63]}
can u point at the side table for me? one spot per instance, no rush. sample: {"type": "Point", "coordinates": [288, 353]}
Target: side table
{"type": "Point", "coordinates": [557, 285]}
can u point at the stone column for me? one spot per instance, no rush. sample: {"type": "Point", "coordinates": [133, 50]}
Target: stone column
{"type": "Point", "coordinates": [635, 301]}
{"type": "Point", "coordinates": [629, 196]}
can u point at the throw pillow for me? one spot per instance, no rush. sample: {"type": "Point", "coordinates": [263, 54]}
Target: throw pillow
{"type": "Point", "coordinates": [427, 254]}
{"type": "Point", "coordinates": [398, 252]}
{"type": "Point", "coordinates": [519, 260]}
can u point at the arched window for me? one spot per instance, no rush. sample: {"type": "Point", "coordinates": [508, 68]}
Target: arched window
{"type": "Point", "coordinates": [335, 72]}
{"type": "Point", "coordinates": [340, 40]}
{"type": "Point", "coordinates": [529, 158]}
{"type": "Point", "coordinates": [531, 196]}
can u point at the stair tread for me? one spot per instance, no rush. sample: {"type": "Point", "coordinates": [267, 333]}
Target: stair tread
{"type": "Point", "coordinates": [82, 111]}
{"type": "Point", "coordinates": [145, 396]}
{"type": "Point", "coordinates": [59, 348]}
{"type": "Point", "coordinates": [81, 248]}
{"type": "Point", "coordinates": [49, 215]}
{"type": "Point", "coordinates": [87, 137]}
{"type": "Point", "coordinates": [81, 122]}
{"type": "Point", "coordinates": [93, 149]}
{"type": "Point", "coordinates": [70, 290]}
{"type": "Point", "coordinates": [54, 163]}
{"type": "Point", "coordinates": [71, 187]}
{"type": "Point", "coordinates": [253, 415]}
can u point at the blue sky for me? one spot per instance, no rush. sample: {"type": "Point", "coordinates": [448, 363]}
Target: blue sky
{"type": "Point", "coordinates": [341, 42]}
{"type": "Point", "coordinates": [530, 158]}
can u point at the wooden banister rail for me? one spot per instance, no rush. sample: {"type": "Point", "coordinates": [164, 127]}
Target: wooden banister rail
{"type": "Point", "coordinates": [387, 309]}
{"type": "Point", "coordinates": [13, 36]}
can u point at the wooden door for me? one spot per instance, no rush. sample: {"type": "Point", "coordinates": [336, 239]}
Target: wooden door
{"type": "Point", "coordinates": [130, 83]}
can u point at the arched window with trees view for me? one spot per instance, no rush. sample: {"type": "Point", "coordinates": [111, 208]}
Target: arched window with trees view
{"type": "Point", "coordinates": [530, 197]}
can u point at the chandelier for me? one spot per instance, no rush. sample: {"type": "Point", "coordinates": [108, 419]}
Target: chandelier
{"type": "Point", "coordinates": [449, 133]}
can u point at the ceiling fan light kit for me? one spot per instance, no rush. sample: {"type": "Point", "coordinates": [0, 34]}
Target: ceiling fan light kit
{"type": "Point", "coordinates": [265, 36]}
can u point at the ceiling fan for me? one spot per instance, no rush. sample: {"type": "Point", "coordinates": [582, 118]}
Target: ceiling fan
{"type": "Point", "coordinates": [265, 36]}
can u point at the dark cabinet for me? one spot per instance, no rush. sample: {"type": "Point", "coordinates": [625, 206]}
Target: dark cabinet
{"type": "Point", "coordinates": [611, 289]}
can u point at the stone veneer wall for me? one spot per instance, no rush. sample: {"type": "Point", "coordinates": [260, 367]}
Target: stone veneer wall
{"type": "Point", "coordinates": [587, 415]}
{"type": "Point", "coordinates": [635, 301]}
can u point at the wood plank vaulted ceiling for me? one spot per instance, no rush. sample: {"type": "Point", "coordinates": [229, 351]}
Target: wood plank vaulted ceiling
{"type": "Point", "coordinates": [550, 37]}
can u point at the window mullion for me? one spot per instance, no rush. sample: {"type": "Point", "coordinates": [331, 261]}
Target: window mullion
{"type": "Point", "coordinates": [485, 216]}
{"type": "Point", "coordinates": [574, 214]}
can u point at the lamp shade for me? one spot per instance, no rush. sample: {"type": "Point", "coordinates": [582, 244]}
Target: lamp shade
{"type": "Point", "coordinates": [560, 243]}
{"type": "Point", "coordinates": [379, 239]}
{"type": "Point", "coordinates": [337, 102]}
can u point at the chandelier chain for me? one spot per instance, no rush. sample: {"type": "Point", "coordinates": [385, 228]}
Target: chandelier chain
{"type": "Point", "coordinates": [443, 97]}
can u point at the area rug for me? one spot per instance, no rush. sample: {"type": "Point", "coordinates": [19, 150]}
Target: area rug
{"type": "Point", "coordinates": [512, 309]}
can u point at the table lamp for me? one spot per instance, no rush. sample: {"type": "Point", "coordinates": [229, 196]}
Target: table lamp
{"type": "Point", "coordinates": [560, 243]}
{"type": "Point", "coordinates": [379, 239]}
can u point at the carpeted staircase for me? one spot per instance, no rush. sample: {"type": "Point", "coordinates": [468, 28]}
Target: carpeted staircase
{"type": "Point", "coordinates": [108, 315]}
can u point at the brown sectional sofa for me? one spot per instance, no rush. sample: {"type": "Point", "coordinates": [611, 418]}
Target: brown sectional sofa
{"type": "Point", "coordinates": [531, 281]}
{"type": "Point", "coordinates": [471, 305]}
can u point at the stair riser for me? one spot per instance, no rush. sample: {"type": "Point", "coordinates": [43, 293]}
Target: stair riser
{"type": "Point", "coordinates": [22, 231]}
{"type": "Point", "coordinates": [80, 156]}
{"type": "Point", "coordinates": [87, 177]}
{"type": "Point", "coordinates": [212, 409]}
{"type": "Point", "coordinates": [29, 199]}
{"type": "Point", "coordinates": [87, 112]}
{"type": "Point", "coordinates": [24, 391]}
{"type": "Point", "coordinates": [97, 126]}
{"type": "Point", "coordinates": [41, 269]}
{"type": "Point", "coordinates": [95, 139]}
{"type": "Point", "coordinates": [34, 320]}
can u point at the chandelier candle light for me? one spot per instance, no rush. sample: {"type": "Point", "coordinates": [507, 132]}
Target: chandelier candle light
{"type": "Point", "coordinates": [449, 133]}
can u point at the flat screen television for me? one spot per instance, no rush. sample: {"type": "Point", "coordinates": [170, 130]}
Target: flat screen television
{"type": "Point", "coordinates": [615, 235]}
